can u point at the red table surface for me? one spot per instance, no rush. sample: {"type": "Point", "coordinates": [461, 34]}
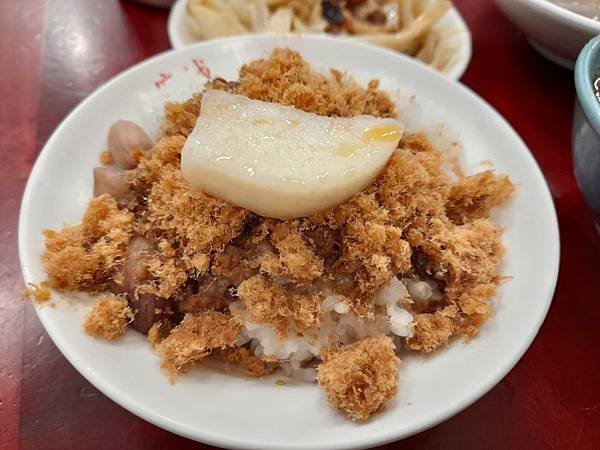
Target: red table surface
{"type": "Point", "coordinates": [53, 53]}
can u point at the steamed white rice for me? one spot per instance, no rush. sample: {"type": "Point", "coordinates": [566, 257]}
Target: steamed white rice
{"type": "Point", "coordinates": [338, 326]}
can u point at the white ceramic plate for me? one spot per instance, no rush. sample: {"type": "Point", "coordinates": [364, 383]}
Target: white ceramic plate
{"type": "Point", "coordinates": [250, 413]}
{"type": "Point", "coordinates": [555, 32]}
{"type": "Point", "coordinates": [452, 26]}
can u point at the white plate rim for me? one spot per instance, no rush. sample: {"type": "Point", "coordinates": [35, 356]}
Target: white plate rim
{"type": "Point", "coordinates": [178, 40]}
{"type": "Point", "coordinates": [137, 408]}
{"type": "Point", "coordinates": [565, 15]}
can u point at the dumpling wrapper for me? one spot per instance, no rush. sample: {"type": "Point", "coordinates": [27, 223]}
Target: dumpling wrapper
{"type": "Point", "coordinates": [280, 162]}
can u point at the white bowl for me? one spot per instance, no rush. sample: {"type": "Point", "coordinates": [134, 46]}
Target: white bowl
{"type": "Point", "coordinates": [452, 26]}
{"type": "Point", "coordinates": [157, 3]}
{"type": "Point", "coordinates": [554, 31]}
{"type": "Point", "coordinates": [230, 411]}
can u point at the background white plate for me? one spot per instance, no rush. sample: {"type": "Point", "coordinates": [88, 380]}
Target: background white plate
{"type": "Point", "coordinates": [452, 26]}
{"type": "Point", "coordinates": [249, 413]}
{"type": "Point", "coordinates": [556, 32]}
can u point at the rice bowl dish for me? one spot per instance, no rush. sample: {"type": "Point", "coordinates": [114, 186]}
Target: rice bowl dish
{"type": "Point", "coordinates": [128, 371]}
{"type": "Point", "coordinates": [407, 258]}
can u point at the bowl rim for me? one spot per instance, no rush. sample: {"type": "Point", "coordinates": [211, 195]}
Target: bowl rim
{"type": "Point", "coordinates": [584, 82]}
{"type": "Point", "coordinates": [464, 53]}
{"type": "Point", "coordinates": [134, 406]}
{"type": "Point", "coordinates": [564, 15]}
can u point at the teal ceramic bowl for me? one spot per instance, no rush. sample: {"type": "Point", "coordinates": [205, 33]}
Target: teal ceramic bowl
{"type": "Point", "coordinates": [586, 126]}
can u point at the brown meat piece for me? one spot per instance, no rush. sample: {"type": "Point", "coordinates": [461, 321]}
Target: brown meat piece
{"type": "Point", "coordinates": [109, 318]}
{"type": "Point", "coordinates": [326, 243]}
{"type": "Point", "coordinates": [86, 256]}
{"type": "Point", "coordinates": [148, 308]}
{"type": "Point", "coordinates": [473, 197]}
{"type": "Point", "coordinates": [254, 366]}
{"type": "Point", "coordinates": [194, 338]}
{"type": "Point", "coordinates": [433, 330]}
{"type": "Point", "coordinates": [108, 180]}
{"type": "Point", "coordinates": [376, 17]}
{"type": "Point", "coordinates": [39, 293]}
{"type": "Point", "coordinates": [360, 378]}
{"type": "Point", "coordinates": [273, 305]}
{"type": "Point", "coordinates": [286, 78]}
{"type": "Point", "coordinates": [220, 84]}
{"type": "Point", "coordinates": [214, 294]}
{"type": "Point", "coordinates": [232, 264]}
